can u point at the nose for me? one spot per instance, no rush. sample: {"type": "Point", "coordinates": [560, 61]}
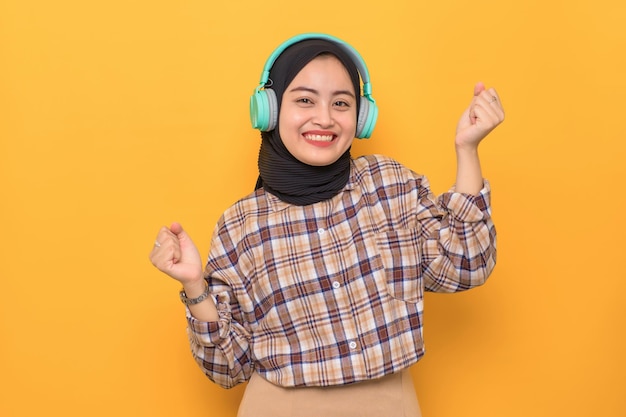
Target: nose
{"type": "Point", "coordinates": [323, 115]}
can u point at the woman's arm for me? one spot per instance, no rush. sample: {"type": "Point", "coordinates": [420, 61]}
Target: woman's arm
{"type": "Point", "coordinates": [219, 344]}
{"type": "Point", "coordinates": [175, 254]}
{"type": "Point", "coordinates": [481, 117]}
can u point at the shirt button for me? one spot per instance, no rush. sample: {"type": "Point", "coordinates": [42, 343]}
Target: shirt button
{"type": "Point", "coordinates": [352, 345]}
{"type": "Point", "coordinates": [336, 284]}
{"type": "Point", "coordinates": [320, 231]}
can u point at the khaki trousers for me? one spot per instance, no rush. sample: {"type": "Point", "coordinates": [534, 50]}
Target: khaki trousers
{"type": "Point", "coordinates": [389, 396]}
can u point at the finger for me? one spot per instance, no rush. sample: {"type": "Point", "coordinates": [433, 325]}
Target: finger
{"type": "Point", "coordinates": [486, 97]}
{"type": "Point", "coordinates": [162, 238]}
{"type": "Point", "coordinates": [165, 257]}
{"type": "Point", "coordinates": [181, 235]}
{"type": "Point", "coordinates": [480, 98]}
{"type": "Point", "coordinates": [489, 99]}
{"type": "Point", "coordinates": [487, 108]}
{"type": "Point", "coordinates": [166, 244]}
{"type": "Point", "coordinates": [492, 98]}
{"type": "Point", "coordinates": [158, 241]}
{"type": "Point", "coordinates": [490, 95]}
{"type": "Point", "coordinates": [487, 118]}
{"type": "Point", "coordinates": [496, 105]}
{"type": "Point", "coordinates": [479, 88]}
{"type": "Point", "coordinates": [494, 94]}
{"type": "Point", "coordinates": [480, 108]}
{"type": "Point", "coordinates": [176, 228]}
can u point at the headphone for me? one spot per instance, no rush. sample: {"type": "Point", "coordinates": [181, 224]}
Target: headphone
{"type": "Point", "coordinates": [264, 105]}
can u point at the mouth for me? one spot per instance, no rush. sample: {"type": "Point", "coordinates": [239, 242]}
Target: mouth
{"type": "Point", "coordinates": [319, 138]}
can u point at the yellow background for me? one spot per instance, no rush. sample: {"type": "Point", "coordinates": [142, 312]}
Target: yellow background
{"type": "Point", "coordinates": [117, 117]}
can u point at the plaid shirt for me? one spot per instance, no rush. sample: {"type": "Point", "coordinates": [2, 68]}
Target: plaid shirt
{"type": "Point", "coordinates": [332, 293]}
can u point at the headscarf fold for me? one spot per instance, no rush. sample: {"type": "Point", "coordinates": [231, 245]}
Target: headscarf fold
{"type": "Point", "coordinates": [280, 173]}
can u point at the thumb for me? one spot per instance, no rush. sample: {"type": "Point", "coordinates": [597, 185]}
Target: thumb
{"type": "Point", "coordinates": [177, 229]}
{"type": "Point", "coordinates": [180, 233]}
{"type": "Point", "coordinates": [479, 88]}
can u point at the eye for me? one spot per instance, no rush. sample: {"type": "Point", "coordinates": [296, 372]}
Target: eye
{"type": "Point", "coordinates": [342, 103]}
{"type": "Point", "coordinates": [304, 100]}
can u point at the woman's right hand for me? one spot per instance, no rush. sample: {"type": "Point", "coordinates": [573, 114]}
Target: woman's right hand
{"type": "Point", "coordinates": [175, 254]}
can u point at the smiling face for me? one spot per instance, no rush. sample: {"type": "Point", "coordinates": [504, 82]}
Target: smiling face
{"type": "Point", "coordinates": [317, 119]}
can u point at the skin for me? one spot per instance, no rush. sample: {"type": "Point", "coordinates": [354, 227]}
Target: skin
{"type": "Point", "coordinates": [484, 114]}
{"type": "Point", "coordinates": [317, 123]}
{"type": "Point", "coordinates": [318, 112]}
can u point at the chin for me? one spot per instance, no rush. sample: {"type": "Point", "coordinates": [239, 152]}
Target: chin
{"type": "Point", "coordinates": [319, 162]}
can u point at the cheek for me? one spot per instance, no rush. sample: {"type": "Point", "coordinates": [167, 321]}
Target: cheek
{"type": "Point", "coordinates": [289, 119]}
{"type": "Point", "coordinates": [287, 126]}
{"type": "Point", "coordinates": [349, 122]}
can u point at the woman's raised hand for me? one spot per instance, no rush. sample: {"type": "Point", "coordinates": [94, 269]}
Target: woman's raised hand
{"type": "Point", "coordinates": [175, 254]}
{"type": "Point", "coordinates": [484, 113]}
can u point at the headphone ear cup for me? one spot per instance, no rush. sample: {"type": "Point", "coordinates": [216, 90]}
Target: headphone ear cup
{"type": "Point", "coordinates": [264, 110]}
{"type": "Point", "coordinates": [368, 113]}
{"type": "Point", "coordinates": [360, 120]}
{"type": "Point", "coordinates": [272, 109]}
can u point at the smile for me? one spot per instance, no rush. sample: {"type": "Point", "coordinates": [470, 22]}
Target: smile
{"type": "Point", "coordinates": [319, 138]}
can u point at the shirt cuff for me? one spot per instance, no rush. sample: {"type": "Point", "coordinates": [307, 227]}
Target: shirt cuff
{"type": "Point", "coordinates": [468, 207]}
{"type": "Point", "coordinates": [210, 333]}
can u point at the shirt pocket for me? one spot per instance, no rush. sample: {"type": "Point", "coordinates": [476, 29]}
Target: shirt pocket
{"type": "Point", "coordinates": [400, 254]}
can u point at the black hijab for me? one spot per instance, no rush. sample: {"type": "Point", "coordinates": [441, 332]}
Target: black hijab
{"type": "Point", "coordinates": [280, 173]}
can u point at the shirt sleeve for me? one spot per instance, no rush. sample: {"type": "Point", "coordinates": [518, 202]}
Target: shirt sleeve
{"type": "Point", "coordinates": [459, 250]}
{"type": "Point", "coordinates": [221, 348]}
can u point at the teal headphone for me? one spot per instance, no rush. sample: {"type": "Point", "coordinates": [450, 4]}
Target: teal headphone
{"type": "Point", "coordinates": [264, 105]}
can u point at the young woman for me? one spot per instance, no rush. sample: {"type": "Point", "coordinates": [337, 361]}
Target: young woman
{"type": "Point", "coordinates": [313, 288]}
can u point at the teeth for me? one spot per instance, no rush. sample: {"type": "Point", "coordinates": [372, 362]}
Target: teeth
{"type": "Point", "coordinates": [320, 138]}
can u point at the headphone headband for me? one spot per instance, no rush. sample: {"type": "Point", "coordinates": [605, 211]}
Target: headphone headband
{"type": "Point", "coordinates": [353, 53]}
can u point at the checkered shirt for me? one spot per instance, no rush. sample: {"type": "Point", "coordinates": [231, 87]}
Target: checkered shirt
{"type": "Point", "coordinates": [332, 293]}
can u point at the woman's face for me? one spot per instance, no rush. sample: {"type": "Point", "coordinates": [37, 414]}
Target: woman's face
{"type": "Point", "coordinates": [317, 120]}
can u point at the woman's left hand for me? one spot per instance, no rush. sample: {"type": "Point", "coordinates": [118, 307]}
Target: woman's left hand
{"type": "Point", "coordinates": [484, 113]}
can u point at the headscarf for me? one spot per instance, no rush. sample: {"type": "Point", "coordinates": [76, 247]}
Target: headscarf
{"type": "Point", "coordinates": [280, 173]}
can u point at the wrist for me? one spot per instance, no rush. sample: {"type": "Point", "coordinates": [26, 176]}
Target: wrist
{"type": "Point", "coordinates": [194, 287]}
{"type": "Point", "coordinates": [466, 148]}
{"type": "Point", "coordinates": [191, 295]}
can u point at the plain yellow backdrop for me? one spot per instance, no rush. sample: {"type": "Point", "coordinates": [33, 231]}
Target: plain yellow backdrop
{"type": "Point", "coordinates": [117, 117]}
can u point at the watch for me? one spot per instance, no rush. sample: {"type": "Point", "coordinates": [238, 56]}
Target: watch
{"type": "Point", "coordinates": [198, 299]}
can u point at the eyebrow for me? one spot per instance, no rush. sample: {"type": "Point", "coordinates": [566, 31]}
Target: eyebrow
{"type": "Point", "coordinates": [314, 91]}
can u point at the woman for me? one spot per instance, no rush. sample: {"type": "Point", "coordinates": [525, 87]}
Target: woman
{"type": "Point", "coordinates": [314, 282]}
